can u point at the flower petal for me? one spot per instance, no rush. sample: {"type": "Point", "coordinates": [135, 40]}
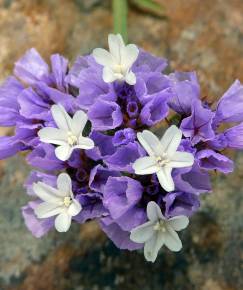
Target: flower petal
{"type": "Point", "coordinates": [64, 184]}
{"type": "Point", "coordinates": [79, 121]}
{"type": "Point", "coordinates": [130, 78]}
{"type": "Point", "coordinates": [142, 233]}
{"type": "Point", "coordinates": [181, 159]}
{"type": "Point", "coordinates": [129, 55]}
{"type": "Point", "coordinates": [102, 57]}
{"type": "Point", "coordinates": [172, 240]}
{"type": "Point", "coordinates": [152, 246]}
{"type": "Point", "coordinates": [63, 152]}
{"type": "Point", "coordinates": [171, 140]}
{"type": "Point", "coordinates": [46, 193]}
{"type": "Point", "coordinates": [116, 45]}
{"type": "Point", "coordinates": [46, 210]}
{"type": "Point", "coordinates": [108, 75]}
{"type": "Point", "coordinates": [75, 208]}
{"type": "Point", "coordinates": [178, 223]}
{"type": "Point", "coordinates": [61, 117]}
{"type": "Point", "coordinates": [165, 178]}
{"type": "Point", "coordinates": [145, 165]}
{"type": "Point", "coordinates": [150, 143]}
{"type": "Point", "coordinates": [63, 222]}
{"type": "Point", "coordinates": [85, 143]}
{"type": "Point", "coordinates": [52, 136]}
{"type": "Point", "coordinates": [154, 212]}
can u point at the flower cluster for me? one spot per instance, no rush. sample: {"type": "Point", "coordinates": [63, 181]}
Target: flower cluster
{"type": "Point", "coordinates": [115, 139]}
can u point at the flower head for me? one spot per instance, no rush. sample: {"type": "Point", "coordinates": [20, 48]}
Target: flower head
{"type": "Point", "coordinates": [68, 135]}
{"type": "Point", "coordinates": [163, 156]}
{"type": "Point", "coordinates": [58, 202]}
{"type": "Point", "coordinates": [118, 61]}
{"type": "Point", "coordinates": [158, 231]}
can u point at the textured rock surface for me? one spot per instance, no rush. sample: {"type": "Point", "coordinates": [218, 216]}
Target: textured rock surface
{"type": "Point", "coordinates": [206, 36]}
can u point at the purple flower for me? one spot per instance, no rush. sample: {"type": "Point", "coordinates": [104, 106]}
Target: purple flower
{"type": "Point", "coordinates": [156, 109]}
{"type": "Point", "coordinates": [121, 196]}
{"type": "Point", "coordinates": [210, 160]}
{"type": "Point", "coordinates": [123, 137]}
{"type": "Point", "coordinates": [43, 157]}
{"type": "Point", "coordinates": [186, 90]}
{"type": "Point", "coordinates": [234, 137]}
{"type": "Point", "coordinates": [92, 207]}
{"type": "Point", "coordinates": [99, 176]}
{"type": "Point", "coordinates": [198, 126]}
{"type": "Point", "coordinates": [119, 237]}
{"type": "Point", "coordinates": [124, 157]}
{"type": "Point", "coordinates": [230, 106]}
{"type": "Point", "coordinates": [181, 203]}
{"type": "Point", "coordinates": [28, 107]}
{"type": "Point", "coordinates": [105, 115]}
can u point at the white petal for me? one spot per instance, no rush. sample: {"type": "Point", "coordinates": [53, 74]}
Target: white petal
{"type": "Point", "coordinates": [116, 45]}
{"type": "Point", "coordinates": [74, 208]}
{"type": "Point", "coordinates": [79, 121]}
{"type": "Point", "coordinates": [142, 233]}
{"type": "Point", "coordinates": [172, 240]}
{"type": "Point", "coordinates": [171, 140]}
{"type": "Point", "coordinates": [130, 78]}
{"type": "Point", "coordinates": [152, 246]}
{"type": "Point", "coordinates": [102, 57]}
{"type": "Point", "coordinates": [129, 55]}
{"type": "Point", "coordinates": [63, 152]}
{"type": "Point", "coordinates": [46, 210]}
{"type": "Point", "coordinates": [63, 222]}
{"type": "Point", "coordinates": [150, 143]}
{"type": "Point", "coordinates": [108, 75]}
{"type": "Point", "coordinates": [178, 223]}
{"type": "Point", "coordinates": [154, 212]}
{"type": "Point", "coordinates": [64, 184]}
{"type": "Point", "coordinates": [85, 143]}
{"type": "Point", "coordinates": [46, 193]}
{"type": "Point", "coordinates": [52, 136]}
{"type": "Point", "coordinates": [145, 165]}
{"type": "Point", "coordinates": [165, 179]}
{"type": "Point", "coordinates": [61, 117]}
{"type": "Point", "coordinates": [181, 159]}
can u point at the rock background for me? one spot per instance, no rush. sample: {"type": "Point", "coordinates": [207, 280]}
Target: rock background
{"type": "Point", "coordinates": [206, 36]}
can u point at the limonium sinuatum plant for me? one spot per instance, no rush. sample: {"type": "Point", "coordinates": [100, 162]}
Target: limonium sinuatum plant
{"type": "Point", "coordinates": [114, 139]}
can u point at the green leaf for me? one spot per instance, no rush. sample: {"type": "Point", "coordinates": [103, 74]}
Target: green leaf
{"type": "Point", "coordinates": [150, 6]}
{"type": "Point", "coordinates": [120, 17]}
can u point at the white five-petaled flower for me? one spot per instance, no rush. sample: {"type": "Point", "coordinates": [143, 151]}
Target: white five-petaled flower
{"type": "Point", "coordinates": [118, 61]}
{"type": "Point", "coordinates": [58, 202]}
{"type": "Point", "coordinates": [163, 156]}
{"type": "Point", "coordinates": [68, 135]}
{"type": "Point", "coordinates": [159, 231]}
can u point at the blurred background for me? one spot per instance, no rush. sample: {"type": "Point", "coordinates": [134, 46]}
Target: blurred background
{"type": "Point", "coordinates": [206, 36]}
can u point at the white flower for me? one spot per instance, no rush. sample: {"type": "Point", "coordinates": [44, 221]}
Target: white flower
{"type": "Point", "coordinates": [118, 61]}
{"type": "Point", "coordinates": [68, 135]}
{"type": "Point", "coordinates": [163, 156]}
{"type": "Point", "coordinates": [159, 231]}
{"type": "Point", "coordinates": [60, 202]}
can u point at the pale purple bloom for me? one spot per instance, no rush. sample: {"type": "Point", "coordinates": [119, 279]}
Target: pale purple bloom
{"type": "Point", "coordinates": [186, 90]}
{"type": "Point", "coordinates": [211, 160]}
{"type": "Point", "coordinates": [198, 126]}
{"type": "Point", "coordinates": [123, 137]}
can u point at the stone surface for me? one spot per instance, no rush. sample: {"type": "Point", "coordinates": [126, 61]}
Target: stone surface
{"type": "Point", "coordinates": [206, 36]}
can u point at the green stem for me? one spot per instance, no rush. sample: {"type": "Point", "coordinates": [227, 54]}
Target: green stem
{"type": "Point", "coordinates": [120, 17]}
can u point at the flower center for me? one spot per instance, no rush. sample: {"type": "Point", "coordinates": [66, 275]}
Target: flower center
{"type": "Point", "coordinates": [119, 69]}
{"type": "Point", "coordinates": [67, 201]}
{"type": "Point", "coordinates": [72, 139]}
{"type": "Point", "coordinates": [162, 160]}
{"type": "Point", "coordinates": [160, 226]}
